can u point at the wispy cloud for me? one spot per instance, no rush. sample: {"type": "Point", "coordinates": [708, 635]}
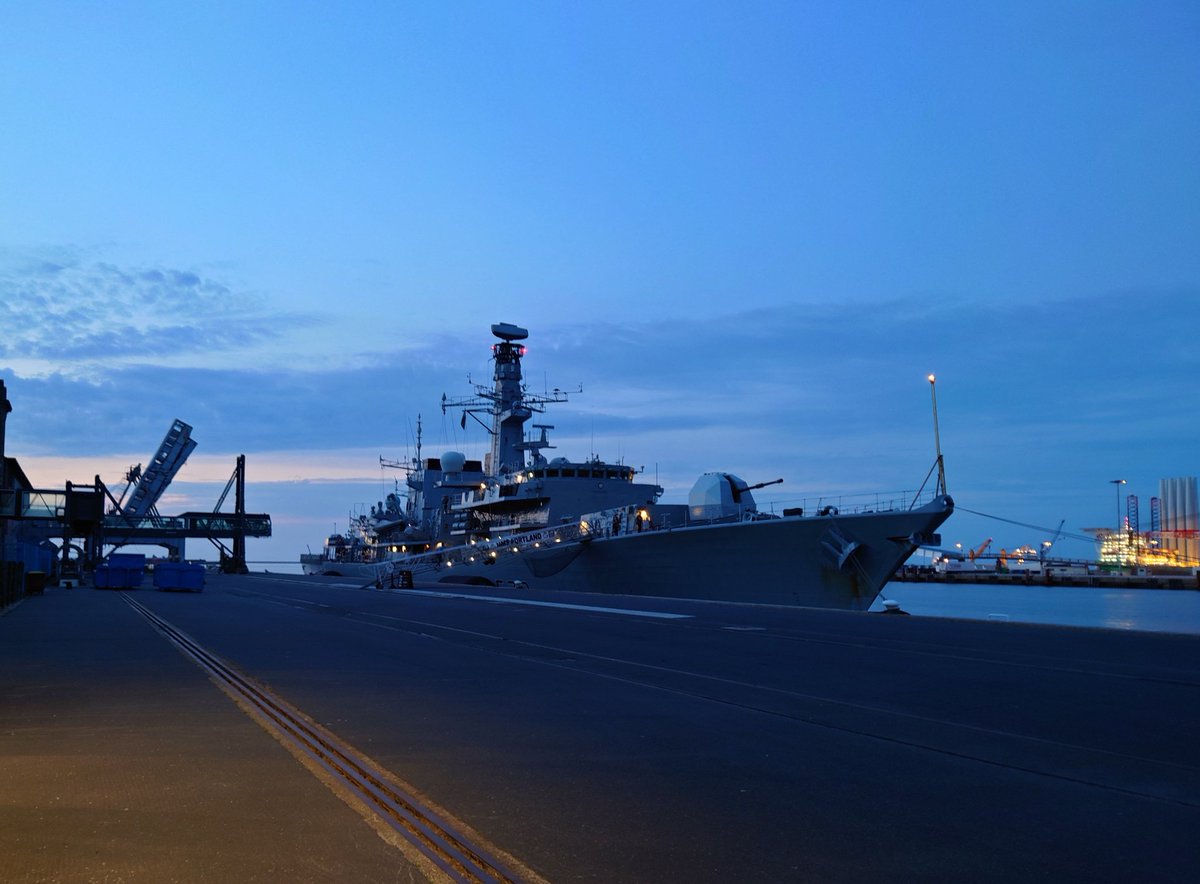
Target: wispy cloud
{"type": "Point", "coordinates": [75, 316]}
{"type": "Point", "coordinates": [804, 372]}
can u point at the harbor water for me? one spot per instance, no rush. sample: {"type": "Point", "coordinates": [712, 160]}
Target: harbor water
{"type": "Point", "coordinates": [1150, 610]}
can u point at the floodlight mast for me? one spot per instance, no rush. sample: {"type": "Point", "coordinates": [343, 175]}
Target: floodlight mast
{"type": "Point", "coordinates": [937, 440]}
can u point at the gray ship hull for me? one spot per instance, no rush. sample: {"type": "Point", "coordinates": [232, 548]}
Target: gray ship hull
{"type": "Point", "coordinates": [833, 561]}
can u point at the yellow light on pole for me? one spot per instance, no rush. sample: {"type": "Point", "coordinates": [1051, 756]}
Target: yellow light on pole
{"type": "Point", "coordinates": [937, 440]}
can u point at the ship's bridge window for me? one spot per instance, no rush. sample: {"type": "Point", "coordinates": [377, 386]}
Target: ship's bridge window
{"type": "Point", "coordinates": [553, 474]}
{"type": "Point", "coordinates": [597, 474]}
{"type": "Point", "coordinates": [569, 474]}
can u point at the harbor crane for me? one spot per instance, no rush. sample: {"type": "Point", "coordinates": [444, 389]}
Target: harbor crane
{"type": "Point", "coordinates": [979, 550]}
{"type": "Point", "coordinates": [1046, 545]}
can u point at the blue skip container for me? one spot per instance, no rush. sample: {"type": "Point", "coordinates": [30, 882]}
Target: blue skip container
{"type": "Point", "coordinates": [179, 576]}
{"type": "Point", "coordinates": [122, 571]}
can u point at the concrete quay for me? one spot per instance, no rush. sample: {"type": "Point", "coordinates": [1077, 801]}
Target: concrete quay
{"type": "Point", "coordinates": [121, 762]}
{"type": "Point", "coordinates": [591, 738]}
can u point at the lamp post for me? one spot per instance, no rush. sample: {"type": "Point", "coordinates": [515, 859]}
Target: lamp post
{"type": "Point", "coordinates": [937, 441]}
{"type": "Point", "coordinates": [1117, 483]}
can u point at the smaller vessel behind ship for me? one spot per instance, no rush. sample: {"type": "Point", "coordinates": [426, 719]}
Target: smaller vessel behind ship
{"type": "Point", "coordinates": [518, 518]}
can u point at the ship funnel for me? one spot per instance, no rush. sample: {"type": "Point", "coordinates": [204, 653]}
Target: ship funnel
{"type": "Point", "coordinates": [506, 331]}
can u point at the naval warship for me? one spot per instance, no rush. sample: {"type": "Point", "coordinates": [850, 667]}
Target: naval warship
{"type": "Point", "coordinates": [520, 519]}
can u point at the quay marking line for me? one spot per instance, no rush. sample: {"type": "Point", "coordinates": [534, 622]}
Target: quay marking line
{"type": "Point", "coordinates": [826, 718]}
{"type": "Point", "coordinates": [455, 852]}
{"type": "Point", "coordinates": [633, 612]}
{"type": "Point", "coordinates": [913, 647]}
{"type": "Point", "coordinates": [994, 755]}
{"type": "Point", "coordinates": [429, 593]}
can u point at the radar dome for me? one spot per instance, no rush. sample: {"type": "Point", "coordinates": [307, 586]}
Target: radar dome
{"type": "Point", "coordinates": [453, 462]}
{"type": "Point", "coordinates": [559, 461]}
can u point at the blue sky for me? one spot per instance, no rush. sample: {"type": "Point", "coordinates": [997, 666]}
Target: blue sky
{"type": "Point", "coordinates": [748, 230]}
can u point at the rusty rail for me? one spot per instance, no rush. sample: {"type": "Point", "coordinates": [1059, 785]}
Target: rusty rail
{"type": "Point", "coordinates": [440, 841]}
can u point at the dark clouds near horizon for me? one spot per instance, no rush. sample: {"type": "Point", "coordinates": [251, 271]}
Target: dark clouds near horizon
{"type": "Point", "coordinates": [1109, 369]}
{"type": "Point", "coordinates": [1041, 403]}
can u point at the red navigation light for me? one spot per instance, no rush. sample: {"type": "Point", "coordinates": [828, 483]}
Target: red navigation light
{"type": "Point", "coordinates": [523, 350]}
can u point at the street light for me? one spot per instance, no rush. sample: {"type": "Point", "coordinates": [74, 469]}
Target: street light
{"type": "Point", "coordinates": [1118, 483]}
{"type": "Point", "coordinates": [937, 440]}
{"type": "Point", "coordinates": [1116, 535]}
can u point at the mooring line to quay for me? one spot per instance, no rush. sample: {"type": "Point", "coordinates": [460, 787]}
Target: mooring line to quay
{"type": "Point", "coordinates": [455, 853]}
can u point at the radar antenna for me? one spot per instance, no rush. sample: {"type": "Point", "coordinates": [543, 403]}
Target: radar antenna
{"type": "Point", "coordinates": [507, 403]}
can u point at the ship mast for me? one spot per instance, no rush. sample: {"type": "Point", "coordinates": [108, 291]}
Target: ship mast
{"type": "Point", "coordinates": [508, 404]}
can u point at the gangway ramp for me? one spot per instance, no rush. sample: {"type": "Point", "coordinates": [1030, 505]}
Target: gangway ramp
{"type": "Point", "coordinates": [171, 455]}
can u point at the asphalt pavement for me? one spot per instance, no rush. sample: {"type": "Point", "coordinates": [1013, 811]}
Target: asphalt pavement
{"type": "Point", "coordinates": [595, 738]}
{"type": "Point", "coordinates": [120, 761]}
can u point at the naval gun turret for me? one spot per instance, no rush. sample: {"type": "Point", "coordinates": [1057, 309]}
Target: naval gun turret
{"type": "Point", "coordinates": [718, 496]}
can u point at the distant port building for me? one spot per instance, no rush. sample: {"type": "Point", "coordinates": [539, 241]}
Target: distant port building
{"type": "Point", "coordinates": [1172, 540]}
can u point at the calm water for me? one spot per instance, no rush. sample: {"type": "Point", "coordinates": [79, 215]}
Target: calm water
{"type": "Point", "coordinates": [1151, 610]}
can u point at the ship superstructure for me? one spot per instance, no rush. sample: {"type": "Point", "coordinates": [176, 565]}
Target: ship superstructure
{"type": "Point", "coordinates": [519, 518]}
{"type": "Point", "coordinates": [520, 489]}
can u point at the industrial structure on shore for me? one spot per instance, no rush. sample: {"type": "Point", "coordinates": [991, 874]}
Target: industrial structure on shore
{"type": "Point", "coordinates": [1172, 540]}
{"type": "Point", "coordinates": [1166, 556]}
{"type": "Point", "coordinates": [72, 530]}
